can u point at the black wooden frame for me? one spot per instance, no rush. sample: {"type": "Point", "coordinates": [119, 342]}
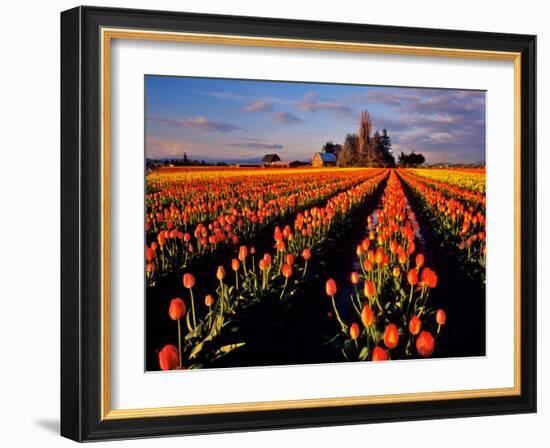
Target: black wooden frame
{"type": "Point", "coordinates": [81, 220]}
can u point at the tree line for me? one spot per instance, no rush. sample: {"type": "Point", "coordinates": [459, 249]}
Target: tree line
{"type": "Point", "coordinates": [369, 149]}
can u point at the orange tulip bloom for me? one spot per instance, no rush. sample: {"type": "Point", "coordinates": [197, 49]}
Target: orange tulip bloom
{"type": "Point", "coordinates": [379, 354]}
{"type": "Point", "coordinates": [415, 325]}
{"type": "Point", "coordinates": [286, 270]}
{"type": "Point", "coordinates": [220, 273]}
{"type": "Point", "coordinates": [431, 280]}
{"type": "Point", "coordinates": [209, 300]}
{"type": "Point", "coordinates": [367, 264]}
{"type": "Point", "coordinates": [419, 260]}
{"type": "Point", "coordinates": [188, 280]}
{"type": "Point", "coordinates": [330, 287]}
{"type": "Point", "coordinates": [367, 316]}
{"type": "Point", "coordinates": [177, 309]}
{"type": "Point", "coordinates": [290, 258]}
{"type": "Point", "coordinates": [161, 239]}
{"type": "Point", "coordinates": [169, 357]}
{"type": "Point", "coordinates": [149, 254]}
{"type": "Point", "coordinates": [441, 317]}
{"type": "Point", "coordinates": [396, 271]}
{"type": "Point", "coordinates": [354, 331]}
{"type": "Point", "coordinates": [425, 344]}
{"type": "Point", "coordinates": [369, 289]}
{"type": "Point", "coordinates": [412, 277]}
{"type": "Point", "coordinates": [354, 278]}
{"type": "Point", "coordinates": [370, 256]}
{"type": "Point", "coordinates": [235, 264]}
{"type": "Point", "coordinates": [306, 254]}
{"type": "Point", "coordinates": [243, 253]}
{"type": "Point", "coordinates": [379, 256]}
{"type": "Point", "coordinates": [391, 336]}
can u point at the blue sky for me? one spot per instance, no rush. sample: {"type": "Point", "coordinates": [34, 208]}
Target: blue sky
{"type": "Point", "coordinates": [230, 120]}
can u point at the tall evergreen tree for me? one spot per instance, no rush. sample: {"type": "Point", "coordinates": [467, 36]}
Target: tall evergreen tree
{"type": "Point", "coordinates": [364, 138]}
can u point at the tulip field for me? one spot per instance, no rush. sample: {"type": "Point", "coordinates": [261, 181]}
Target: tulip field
{"type": "Point", "coordinates": [257, 267]}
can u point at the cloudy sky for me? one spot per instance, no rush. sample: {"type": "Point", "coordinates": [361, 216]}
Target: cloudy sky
{"type": "Point", "coordinates": [220, 119]}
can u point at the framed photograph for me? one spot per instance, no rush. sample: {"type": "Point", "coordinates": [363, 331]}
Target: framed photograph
{"type": "Point", "coordinates": [274, 224]}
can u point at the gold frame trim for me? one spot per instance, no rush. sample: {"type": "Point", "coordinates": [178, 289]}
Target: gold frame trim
{"type": "Point", "coordinates": [107, 35]}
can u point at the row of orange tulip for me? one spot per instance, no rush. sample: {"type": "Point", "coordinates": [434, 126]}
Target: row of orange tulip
{"type": "Point", "coordinates": [464, 222]}
{"type": "Point", "coordinates": [391, 288]}
{"type": "Point", "coordinates": [237, 214]}
{"type": "Point", "coordinates": [273, 277]}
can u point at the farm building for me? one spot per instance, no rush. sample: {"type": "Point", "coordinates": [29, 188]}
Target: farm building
{"type": "Point", "coordinates": [323, 159]}
{"type": "Point", "coordinates": [268, 159]}
{"type": "Point", "coordinates": [286, 164]}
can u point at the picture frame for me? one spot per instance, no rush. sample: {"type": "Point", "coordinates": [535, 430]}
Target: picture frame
{"type": "Point", "coordinates": [86, 37]}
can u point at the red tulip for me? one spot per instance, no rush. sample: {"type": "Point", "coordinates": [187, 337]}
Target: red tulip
{"type": "Point", "coordinates": [354, 331]}
{"type": "Point", "coordinates": [149, 254]}
{"type": "Point", "coordinates": [419, 260]}
{"type": "Point", "coordinates": [367, 264]}
{"type": "Point", "coordinates": [169, 357]}
{"type": "Point", "coordinates": [330, 287]}
{"type": "Point", "coordinates": [379, 354]}
{"type": "Point", "coordinates": [235, 264]}
{"type": "Point", "coordinates": [370, 256]}
{"type": "Point", "coordinates": [306, 254]}
{"type": "Point", "coordinates": [188, 280]}
{"type": "Point", "coordinates": [290, 258]}
{"type": "Point", "coordinates": [354, 278]}
{"type": "Point", "coordinates": [243, 253]}
{"type": "Point", "coordinates": [161, 239]}
{"type": "Point", "coordinates": [209, 300]}
{"type": "Point", "coordinates": [412, 277]}
{"type": "Point", "coordinates": [425, 343]}
{"type": "Point", "coordinates": [286, 270]}
{"type": "Point", "coordinates": [367, 316]}
{"type": "Point", "coordinates": [369, 289]}
{"type": "Point", "coordinates": [441, 317]}
{"type": "Point", "coordinates": [379, 256]}
{"type": "Point", "coordinates": [177, 309]}
{"type": "Point", "coordinates": [431, 280]}
{"type": "Point", "coordinates": [415, 325]}
{"type": "Point", "coordinates": [391, 336]}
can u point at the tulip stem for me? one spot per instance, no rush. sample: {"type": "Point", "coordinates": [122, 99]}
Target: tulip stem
{"type": "Point", "coordinates": [410, 300]}
{"type": "Point", "coordinates": [193, 308]}
{"type": "Point", "coordinates": [344, 327]}
{"type": "Point", "coordinates": [305, 270]}
{"type": "Point", "coordinates": [179, 340]}
{"type": "Point", "coordinates": [284, 287]}
{"type": "Point", "coordinates": [222, 298]}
